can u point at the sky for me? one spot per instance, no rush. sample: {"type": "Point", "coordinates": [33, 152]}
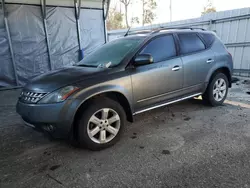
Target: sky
{"type": "Point", "coordinates": [183, 9]}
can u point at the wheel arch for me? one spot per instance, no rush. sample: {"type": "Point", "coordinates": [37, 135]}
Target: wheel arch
{"type": "Point", "coordinates": [225, 70]}
{"type": "Point", "coordinates": [115, 95]}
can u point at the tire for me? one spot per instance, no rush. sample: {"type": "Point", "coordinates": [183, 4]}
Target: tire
{"type": "Point", "coordinates": [215, 96]}
{"type": "Point", "coordinates": [88, 124]}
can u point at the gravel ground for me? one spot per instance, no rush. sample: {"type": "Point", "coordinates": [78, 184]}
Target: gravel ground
{"type": "Point", "coordinates": [182, 145]}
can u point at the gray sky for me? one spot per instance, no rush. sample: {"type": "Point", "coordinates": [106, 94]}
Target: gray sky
{"type": "Point", "coordinates": [183, 9]}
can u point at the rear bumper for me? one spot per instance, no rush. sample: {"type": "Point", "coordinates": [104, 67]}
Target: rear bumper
{"type": "Point", "coordinates": [50, 118]}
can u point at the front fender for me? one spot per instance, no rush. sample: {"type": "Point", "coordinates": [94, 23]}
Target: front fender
{"type": "Point", "coordinates": [86, 94]}
{"type": "Point", "coordinates": [76, 101]}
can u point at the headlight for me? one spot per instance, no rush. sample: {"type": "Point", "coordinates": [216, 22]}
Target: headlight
{"type": "Point", "coordinates": [59, 95]}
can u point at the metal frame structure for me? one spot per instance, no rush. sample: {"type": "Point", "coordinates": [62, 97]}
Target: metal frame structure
{"type": "Point", "coordinates": [78, 28]}
{"type": "Point", "coordinates": [232, 26]}
{"type": "Point", "coordinates": [105, 16]}
{"type": "Point", "coordinates": [44, 15]}
{"type": "Point", "coordinates": [186, 25]}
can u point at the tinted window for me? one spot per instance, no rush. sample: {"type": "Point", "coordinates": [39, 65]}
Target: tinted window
{"type": "Point", "coordinates": [111, 53]}
{"type": "Point", "coordinates": [161, 48]}
{"type": "Point", "coordinates": [208, 38]}
{"type": "Point", "coordinates": [190, 42]}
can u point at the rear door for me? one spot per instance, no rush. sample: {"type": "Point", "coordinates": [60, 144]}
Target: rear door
{"type": "Point", "coordinates": [157, 82]}
{"type": "Point", "coordinates": [197, 61]}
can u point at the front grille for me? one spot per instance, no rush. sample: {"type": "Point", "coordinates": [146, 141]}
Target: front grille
{"type": "Point", "coordinates": [31, 97]}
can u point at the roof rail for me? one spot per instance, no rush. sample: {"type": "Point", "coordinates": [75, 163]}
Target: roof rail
{"type": "Point", "coordinates": [169, 28]}
{"type": "Point", "coordinates": [151, 32]}
{"type": "Point", "coordinates": [146, 31]}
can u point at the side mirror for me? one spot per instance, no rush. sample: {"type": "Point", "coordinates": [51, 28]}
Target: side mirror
{"type": "Point", "coordinates": [143, 59]}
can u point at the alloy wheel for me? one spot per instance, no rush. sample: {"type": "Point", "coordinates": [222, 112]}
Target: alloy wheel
{"type": "Point", "coordinates": [219, 89]}
{"type": "Point", "coordinates": [103, 125]}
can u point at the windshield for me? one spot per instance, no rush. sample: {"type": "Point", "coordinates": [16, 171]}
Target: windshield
{"type": "Point", "coordinates": [110, 54]}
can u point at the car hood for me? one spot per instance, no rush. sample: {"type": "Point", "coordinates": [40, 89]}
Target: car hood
{"type": "Point", "coordinates": [60, 78]}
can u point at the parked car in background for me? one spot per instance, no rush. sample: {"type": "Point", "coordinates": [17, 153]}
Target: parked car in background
{"type": "Point", "coordinates": [91, 101]}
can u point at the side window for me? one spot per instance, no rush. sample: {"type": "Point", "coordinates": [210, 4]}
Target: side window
{"type": "Point", "coordinates": [190, 42]}
{"type": "Point", "coordinates": [161, 48]}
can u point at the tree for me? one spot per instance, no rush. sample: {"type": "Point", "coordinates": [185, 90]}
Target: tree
{"type": "Point", "coordinates": [135, 20]}
{"type": "Point", "coordinates": [115, 20]}
{"type": "Point", "coordinates": [148, 16]}
{"type": "Point", "coordinates": [208, 8]}
{"type": "Point", "coordinates": [126, 4]}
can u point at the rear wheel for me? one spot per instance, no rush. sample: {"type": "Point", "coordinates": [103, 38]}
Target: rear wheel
{"type": "Point", "coordinates": [217, 90]}
{"type": "Point", "coordinates": [101, 124]}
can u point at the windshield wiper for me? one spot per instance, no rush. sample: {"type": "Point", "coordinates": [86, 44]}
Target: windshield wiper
{"type": "Point", "coordinates": [84, 65]}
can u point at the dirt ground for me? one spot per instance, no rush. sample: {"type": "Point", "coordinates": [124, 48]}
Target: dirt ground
{"type": "Point", "coordinates": [181, 145]}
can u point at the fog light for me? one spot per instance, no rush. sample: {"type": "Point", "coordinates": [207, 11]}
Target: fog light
{"type": "Point", "coordinates": [49, 128]}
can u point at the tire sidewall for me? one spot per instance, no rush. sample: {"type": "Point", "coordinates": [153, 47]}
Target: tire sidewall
{"type": "Point", "coordinates": [93, 107]}
{"type": "Point", "coordinates": [211, 87]}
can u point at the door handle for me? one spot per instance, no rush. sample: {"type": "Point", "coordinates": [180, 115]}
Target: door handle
{"type": "Point", "coordinates": [176, 68]}
{"type": "Point", "coordinates": [210, 61]}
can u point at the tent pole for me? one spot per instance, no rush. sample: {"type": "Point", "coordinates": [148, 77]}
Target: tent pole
{"type": "Point", "coordinates": [44, 15]}
{"type": "Point", "coordinates": [77, 15]}
{"type": "Point", "coordinates": [104, 20]}
{"type": "Point", "coordinates": [10, 42]}
{"type": "Point", "coordinates": [107, 11]}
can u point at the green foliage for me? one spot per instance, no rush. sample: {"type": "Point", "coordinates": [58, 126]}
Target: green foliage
{"type": "Point", "coordinates": [209, 8]}
{"type": "Point", "coordinates": [135, 20]}
{"type": "Point", "coordinates": [148, 7]}
{"type": "Point", "coordinates": [115, 20]}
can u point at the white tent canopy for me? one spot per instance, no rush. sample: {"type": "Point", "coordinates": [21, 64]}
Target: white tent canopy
{"type": "Point", "coordinates": [38, 36]}
{"type": "Point", "coordinates": [67, 3]}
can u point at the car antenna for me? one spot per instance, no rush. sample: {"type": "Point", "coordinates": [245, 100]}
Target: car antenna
{"type": "Point", "coordinates": [127, 32]}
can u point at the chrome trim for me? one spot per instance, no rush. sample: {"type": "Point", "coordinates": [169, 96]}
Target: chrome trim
{"type": "Point", "coordinates": [176, 68]}
{"type": "Point", "coordinates": [31, 97]}
{"type": "Point", "coordinates": [171, 102]}
{"type": "Point", "coordinates": [210, 61]}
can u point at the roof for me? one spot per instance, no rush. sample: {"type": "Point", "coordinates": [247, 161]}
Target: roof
{"type": "Point", "coordinates": [66, 3]}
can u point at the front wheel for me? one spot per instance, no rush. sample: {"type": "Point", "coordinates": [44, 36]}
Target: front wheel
{"type": "Point", "coordinates": [217, 90]}
{"type": "Point", "coordinates": [101, 124]}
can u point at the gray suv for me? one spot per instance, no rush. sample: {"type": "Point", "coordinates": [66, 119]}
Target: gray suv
{"type": "Point", "coordinates": [90, 102]}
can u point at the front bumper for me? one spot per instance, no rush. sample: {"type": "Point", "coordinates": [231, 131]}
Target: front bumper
{"type": "Point", "coordinates": [45, 116]}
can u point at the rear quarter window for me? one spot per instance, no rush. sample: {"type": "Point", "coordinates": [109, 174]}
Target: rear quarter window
{"type": "Point", "coordinates": [208, 38]}
{"type": "Point", "coordinates": [190, 43]}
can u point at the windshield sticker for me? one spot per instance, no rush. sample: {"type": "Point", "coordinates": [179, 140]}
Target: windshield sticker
{"type": "Point", "coordinates": [108, 64]}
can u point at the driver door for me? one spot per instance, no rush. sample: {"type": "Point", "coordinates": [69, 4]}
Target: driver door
{"type": "Point", "coordinates": [153, 84]}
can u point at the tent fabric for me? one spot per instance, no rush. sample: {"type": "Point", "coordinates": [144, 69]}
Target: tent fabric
{"type": "Point", "coordinates": [93, 32]}
{"type": "Point", "coordinates": [29, 41]}
{"type": "Point", "coordinates": [61, 26]}
{"type": "Point", "coordinates": [66, 3]}
{"type": "Point", "coordinates": [7, 76]}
